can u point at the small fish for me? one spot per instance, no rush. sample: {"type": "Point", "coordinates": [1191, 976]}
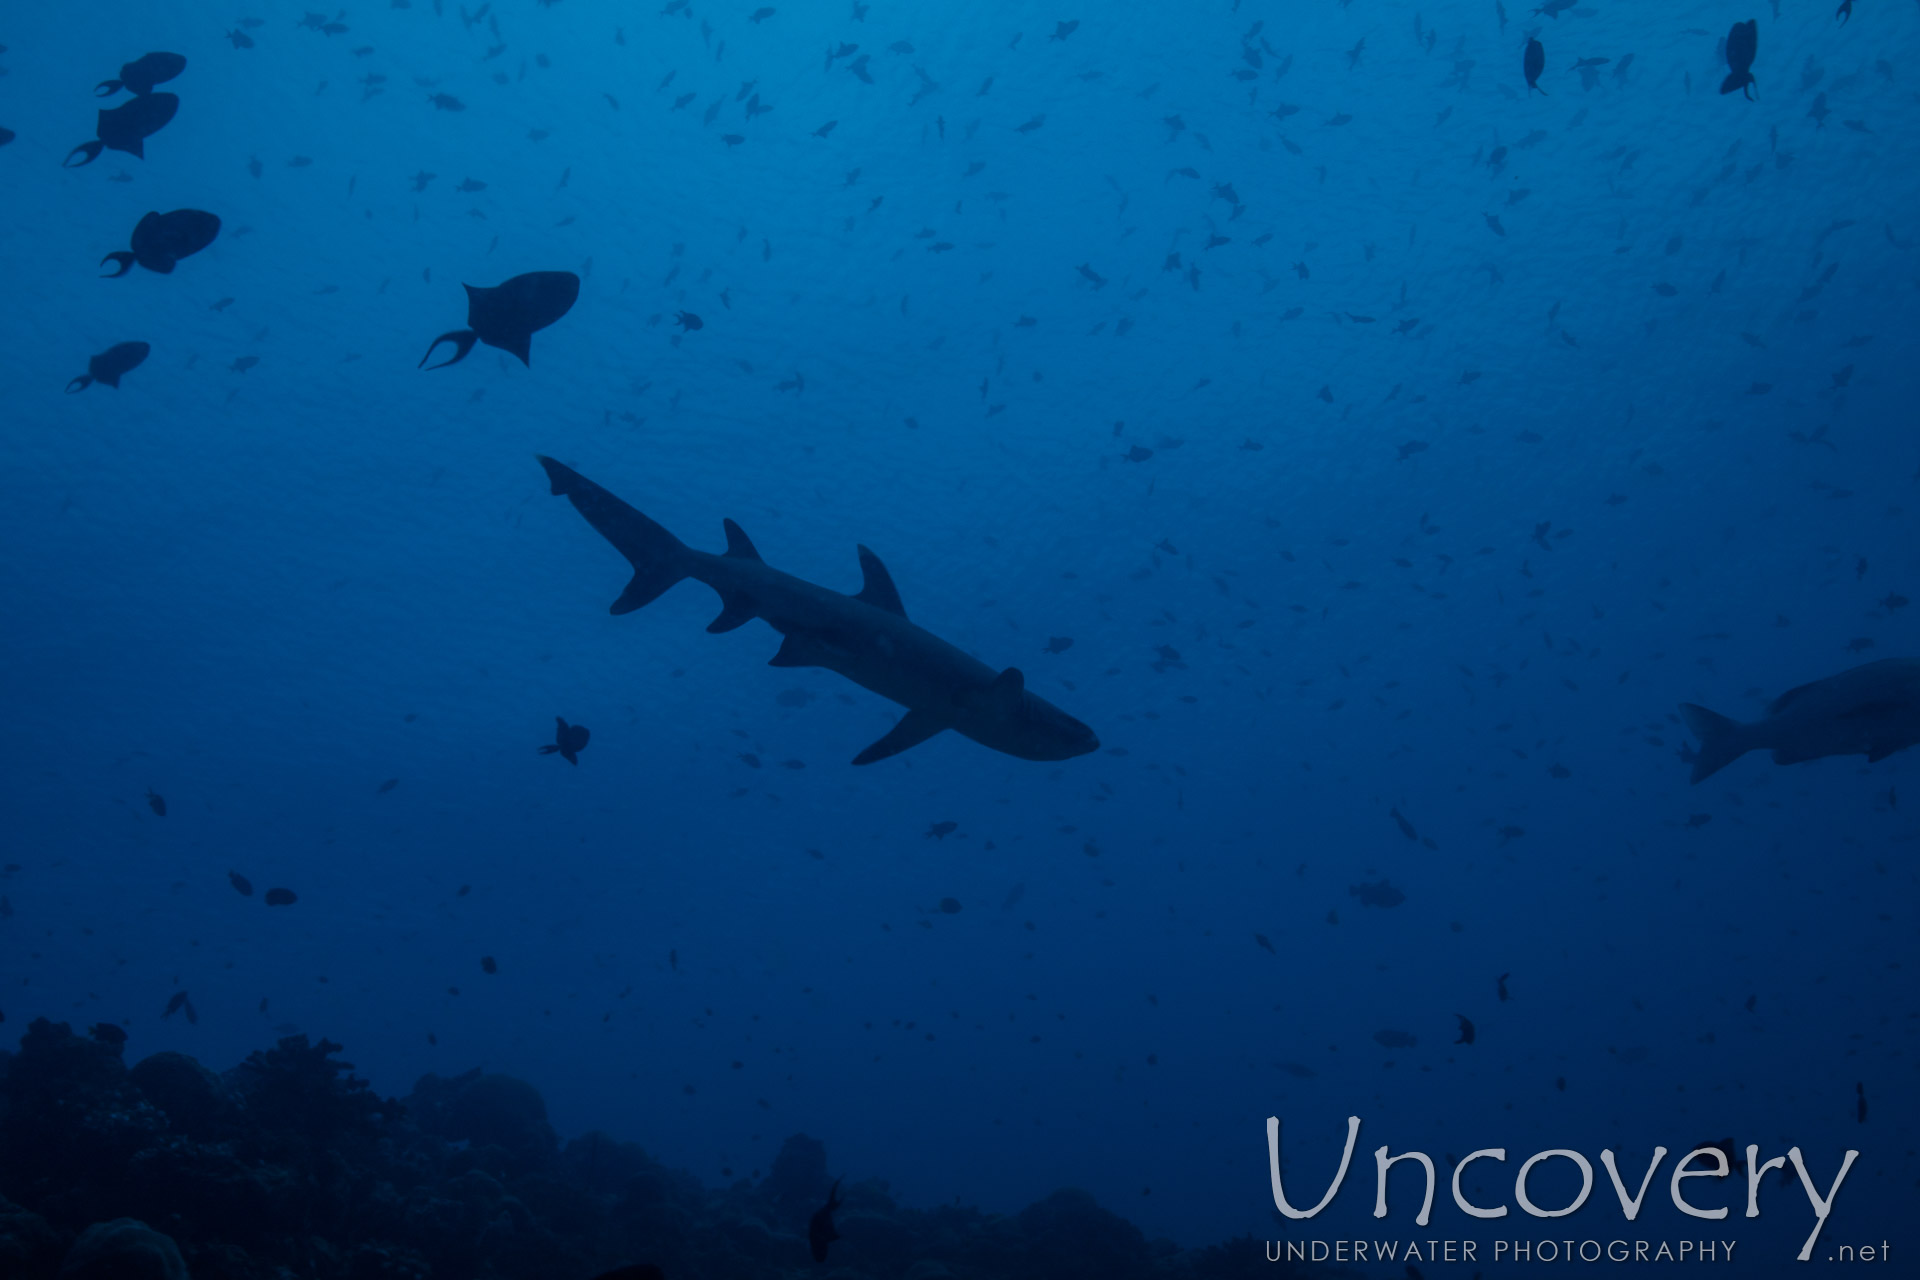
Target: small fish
{"type": "Point", "coordinates": [760, 15]}
{"type": "Point", "coordinates": [1058, 644]}
{"type": "Point", "coordinates": [1466, 1029]}
{"type": "Point", "coordinates": [1390, 1039]}
{"type": "Point", "coordinates": [447, 102]}
{"type": "Point", "coordinates": [281, 897]}
{"type": "Point", "coordinates": [568, 741]}
{"type": "Point", "coordinates": [387, 786]}
{"type": "Point", "coordinates": [156, 802]}
{"type": "Point", "coordinates": [240, 883]}
{"type": "Point", "coordinates": [180, 1004]}
{"type": "Point", "coordinates": [1502, 984]}
{"type": "Point", "coordinates": [1091, 276]}
{"type": "Point", "coordinates": [471, 185]}
{"type": "Point", "coordinates": [1400, 820]}
{"type": "Point", "coordinates": [1381, 894]}
{"type": "Point", "coordinates": [488, 965]}
{"type": "Point", "coordinates": [820, 1232]}
{"type": "Point", "coordinates": [1061, 30]}
{"type": "Point", "coordinates": [688, 321]}
{"type": "Point", "coordinates": [240, 39]}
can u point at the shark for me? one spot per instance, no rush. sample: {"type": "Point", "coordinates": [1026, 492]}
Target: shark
{"type": "Point", "coordinates": [865, 637]}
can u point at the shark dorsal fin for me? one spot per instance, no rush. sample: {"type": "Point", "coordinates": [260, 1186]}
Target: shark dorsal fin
{"type": "Point", "coordinates": [1008, 686]}
{"type": "Point", "coordinates": [739, 546]}
{"type": "Point", "coordinates": [876, 587]}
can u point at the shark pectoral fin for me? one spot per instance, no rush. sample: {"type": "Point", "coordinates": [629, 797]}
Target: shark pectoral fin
{"type": "Point", "coordinates": [914, 728]}
{"type": "Point", "coordinates": [795, 651]}
{"type": "Point", "coordinates": [642, 590]}
{"type": "Point", "coordinates": [736, 610]}
{"type": "Point", "coordinates": [739, 546]}
{"type": "Point", "coordinates": [876, 587]}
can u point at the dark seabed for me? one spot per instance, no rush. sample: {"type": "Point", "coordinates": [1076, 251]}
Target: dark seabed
{"type": "Point", "coordinates": [1243, 522]}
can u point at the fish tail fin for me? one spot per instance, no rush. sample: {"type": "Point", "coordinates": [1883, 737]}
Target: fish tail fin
{"type": "Point", "coordinates": [1722, 741]}
{"type": "Point", "coordinates": [658, 558]}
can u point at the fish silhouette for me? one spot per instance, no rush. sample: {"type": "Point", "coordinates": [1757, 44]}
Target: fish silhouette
{"type": "Point", "coordinates": [1533, 64]}
{"type": "Point", "coordinates": [110, 365]}
{"type": "Point", "coordinates": [139, 76]}
{"type": "Point", "coordinates": [1872, 710]}
{"type": "Point", "coordinates": [162, 239]}
{"type": "Point", "coordinates": [6, 136]}
{"type": "Point", "coordinates": [1743, 42]}
{"type": "Point", "coordinates": [126, 128]}
{"type": "Point", "coordinates": [568, 741]}
{"type": "Point", "coordinates": [508, 315]}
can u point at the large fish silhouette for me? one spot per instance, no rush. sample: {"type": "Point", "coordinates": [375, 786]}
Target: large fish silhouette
{"type": "Point", "coordinates": [162, 239]}
{"type": "Point", "coordinates": [509, 314]}
{"type": "Point", "coordinates": [1743, 43]}
{"type": "Point", "coordinates": [140, 75]}
{"type": "Point", "coordinates": [1871, 710]}
{"type": "Point", "coordinates": [126, 128]}
{"type": "Point", "coordinates": [864, 637]}
{"type": "Point", "coordinates": [109, 366]}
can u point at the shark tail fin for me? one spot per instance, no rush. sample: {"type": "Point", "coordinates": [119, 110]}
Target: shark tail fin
{"type": "Point", "coordinates": [1722, 741]}
{"type": "Point", "coordinates": [658, 558]}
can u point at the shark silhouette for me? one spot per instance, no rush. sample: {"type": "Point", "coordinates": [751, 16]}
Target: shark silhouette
{"type": "Point", "coordinates": [865, 637]}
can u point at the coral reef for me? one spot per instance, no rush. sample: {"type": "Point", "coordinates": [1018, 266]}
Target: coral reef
{"type": "Point", "coordinates": [289, 1164]}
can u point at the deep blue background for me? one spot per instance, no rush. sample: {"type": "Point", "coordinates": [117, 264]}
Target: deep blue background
{"type": "Point", "coordinates": [265, 593]}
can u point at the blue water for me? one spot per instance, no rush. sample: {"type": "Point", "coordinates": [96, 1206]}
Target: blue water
{"type": "Point", "coordinates": [1669, 456]}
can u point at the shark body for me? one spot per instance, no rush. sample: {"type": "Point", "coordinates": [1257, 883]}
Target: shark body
{"type": "Point", "coordinates": [866, 637]}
